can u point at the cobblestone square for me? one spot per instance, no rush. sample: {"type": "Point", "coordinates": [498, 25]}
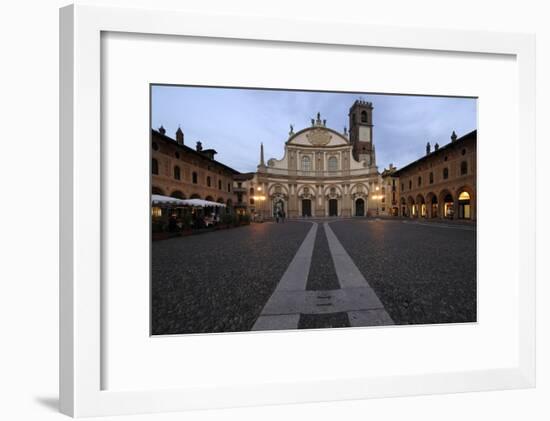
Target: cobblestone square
{"type": "Point", "coordinates": [315, 274]}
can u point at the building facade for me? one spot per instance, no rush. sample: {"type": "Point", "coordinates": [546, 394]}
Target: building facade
{"type": "Point", "coordinates": [323, 172]}
{"type": "Point", "coordinates": [186, 173]}
{"type": "Point", "coordinates": [441, 184]}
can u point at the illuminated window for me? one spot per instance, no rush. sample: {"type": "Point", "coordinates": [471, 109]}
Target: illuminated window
{"type": "Point", "coordinates": [464, 196]}
{"type": "Point", "coordinates": [306, 163]}
{"type": "Point", "coordinates": [156, 212]}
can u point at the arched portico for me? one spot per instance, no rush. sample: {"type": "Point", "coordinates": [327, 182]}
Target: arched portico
{"type": "Point", "coordinates": [420, 206]}
{"type": "Point", "coordinates": [403, 207]}
{"type": "Point", "coordinates": [411, 207]}
{"type": "Point", "coordinates": [446, 204]}
{"type": "Point", "coordinates": [465, 203]}
{"type": "Point", "coordinates": [431, 205]}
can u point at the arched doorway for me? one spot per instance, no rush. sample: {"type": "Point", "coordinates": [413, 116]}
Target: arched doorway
{"type": "Point", "coordinates": [359, 207]}
{"type": "Point", "coordinates": [333, 207]}
{"type": "Point", "coordinates": [411, 207]}
{"type": "Point", "coordinates": [464, 207]}
{"type": "Point", "coordinates": [421, 206]}
{"type": "Point", "coordinates": [306, 207]}
{"type": "Point", "coordinates": [447, 203]}
{"type": "Point", "coordinates": [432, 203]}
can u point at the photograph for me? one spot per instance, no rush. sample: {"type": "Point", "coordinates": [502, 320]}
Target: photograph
{"type": "Point", "coordinates": [277, 209]}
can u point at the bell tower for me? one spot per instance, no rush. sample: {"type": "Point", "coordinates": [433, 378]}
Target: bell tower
{"type": "Point", "coordinates": [360, 131]}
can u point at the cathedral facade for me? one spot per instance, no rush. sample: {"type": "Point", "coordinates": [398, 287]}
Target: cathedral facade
{"type": "Point", "coordinates": [323, 172]}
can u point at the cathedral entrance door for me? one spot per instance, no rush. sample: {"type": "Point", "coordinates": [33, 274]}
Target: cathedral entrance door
{"type": "Point", "coordinates": [333, 207]}
{"type": "Point", "coordinates": [359, 207]}
{"type": "Point", "coordinates": [306, 207]}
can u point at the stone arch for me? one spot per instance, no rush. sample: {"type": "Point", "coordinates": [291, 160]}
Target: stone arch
{"type": "Point", "coordinates": [465, 209]}
{"type": "Point", "coordinates": [446, 204]}
{"type": "Point", "coordinates": [195, 196]}
{"type": "Point", "coordinates": [411, 207]}
{"type": "Point", "coordinates": [220, 200]}
{"type": "Point", "coordinates": [157, 190]}
{"type": "Point", "coordinates": [311, 190]}
{"type": "Point", "coordinates": [178, 194]}
{"type": "Point", "coordinates": [403, 206]}
{"type": "Point", "coordinates": [432, 205]}
{"type": "Point", "coordinates": [420, 206]}
{"type": "Point", "coordinates": [328, 190]}
{"type": "Point", "coordinates": [209, 198]}
{"type": "Point", "coordinates": [359, 189]}
{"type": "Point", "coordinates": [277, 188]}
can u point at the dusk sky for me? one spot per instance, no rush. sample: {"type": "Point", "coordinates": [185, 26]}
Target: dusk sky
{"type": "Point", "coordinates": [235, 121]}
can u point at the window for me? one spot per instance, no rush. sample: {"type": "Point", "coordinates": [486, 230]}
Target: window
{"type": "Point", "coordinates": [155, 146]}
{"type": "Point", "coordinates": [177, 155]}
{"type": "Point", "coordinates": [239, 197]}
{"type": "Point", "coordinates": [208, 181]}
{"type": "Point", "coordinates": [402, 186]}
{"type": "Point", "coordinates": [419, 181]}
{"type": "Point", "coordinates": [445, 173]}
{"type": "Point", "coordinates": [463, 168]}
{"type": "Point", "coordinates": [155, 166]}
{"type": "Point", "coordinates": [177, 173]}
{"type": "Point", "coordinates": [333, 164]}
{"type": "Point", "coordinates": [251, 200]}
{"type": "Point", "coordinates": [251, 191]}
{"type": "Point", "coordinates": [306, 163]}
{"type": "Point", "coordinates": [463, 151]}
{"type": "Point", "coordinates": [219, 184]}
{"type": "Point", "coordinates": [195, 178]}
{"type": "Point", "coordinates": [410, 184]}
{"type": "Point", "coordinates": [363, 116]}
{"type": "Point", "coordinates": [229, 187]}
{"type": "Point", "coordinates": [239, 185]}
{"type": "Point", "coordinates": [431, 178]}
{"type": "Point", "coordinates": [445, 159]}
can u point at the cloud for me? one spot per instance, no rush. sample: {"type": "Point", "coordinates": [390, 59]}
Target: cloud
{"type": "Point", "coordinates": [235, 121]}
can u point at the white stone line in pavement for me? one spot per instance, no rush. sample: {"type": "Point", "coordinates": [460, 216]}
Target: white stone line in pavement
{"type": "Point", "coordinates": [294, 279]}
{"type": "Point", "coordinates": [438, 225]}
{"type": "Point", "coordinates": [350, 277]}
{"type": "Point", "coordinates": [322, 302]}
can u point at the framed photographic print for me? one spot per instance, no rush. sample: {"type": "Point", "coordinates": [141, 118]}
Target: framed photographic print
{"type": "Point", "coordinates": [245, 200]}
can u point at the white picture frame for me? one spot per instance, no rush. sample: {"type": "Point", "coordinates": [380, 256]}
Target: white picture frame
{"type": "Point", "coordinates": [81, 320]}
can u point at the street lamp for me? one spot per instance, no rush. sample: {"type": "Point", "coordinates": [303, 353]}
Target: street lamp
{"type": "Point", "coordinates": [260, 198]}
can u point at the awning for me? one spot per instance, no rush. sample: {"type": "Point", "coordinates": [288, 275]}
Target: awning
{"type": "Point", "coordinates": [159, 200]}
